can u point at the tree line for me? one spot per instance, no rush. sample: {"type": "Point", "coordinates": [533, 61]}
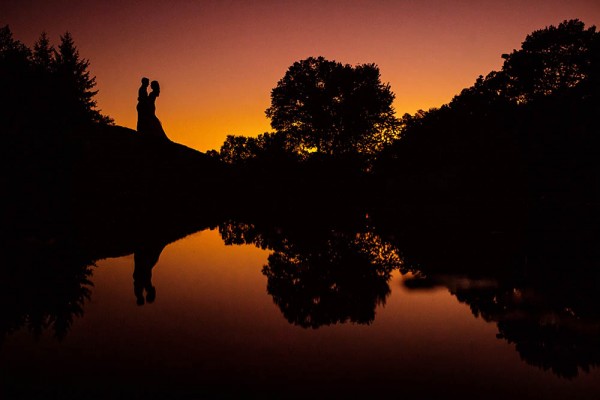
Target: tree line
{"type": "Point", "coordinates": [45, 87]}
{"type": "Point", "coordinates": [322, 108]}
{"type": "Point", "coordinates": [526, 130]}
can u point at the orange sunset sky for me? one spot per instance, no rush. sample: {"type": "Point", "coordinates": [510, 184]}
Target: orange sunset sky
{"type": "Point", "coordinates": [217, 61]}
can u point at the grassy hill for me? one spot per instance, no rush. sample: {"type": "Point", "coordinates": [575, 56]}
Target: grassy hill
{"type": "Point", "coordinates": [104, 184]}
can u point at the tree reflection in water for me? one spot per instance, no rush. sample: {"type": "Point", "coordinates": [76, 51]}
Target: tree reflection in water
{"type": "Point", "coordinates": [339, 280]}
{"type": "Point", "coordinates": [42, 287]}
{"type": "Point", "coordinates": [539, 288]}
{"type": "Point", "coordinates": [548, 330]}
{"type": "Point", "coordinates": [326, 276]}
{"type": "Point", "coordinates": [541, 291]}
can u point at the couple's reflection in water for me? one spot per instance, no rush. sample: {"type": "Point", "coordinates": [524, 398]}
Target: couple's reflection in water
{"type": "Point", "coordinates": [145, 258]}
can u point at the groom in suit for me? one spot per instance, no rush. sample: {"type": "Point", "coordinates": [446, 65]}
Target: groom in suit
{"type": "Point", "coordinates": [142, 107]}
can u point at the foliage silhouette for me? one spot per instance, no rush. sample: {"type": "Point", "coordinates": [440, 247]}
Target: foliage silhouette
{"type": "Point", "coordinates": [534, 276]}
{"type": "Point", "coordinates": [267, 148]}
{"type": "Point", "coordinates": [45, 88]}
{"type": "Point", "coordinates": [333, 108]}
{"type": "Point", "coordinates": [43, 53]}
{"type": "Point", "coordinates": [550, 61]}
{"type": "Point", "coordinates": [75, 84]}
{"type": "Point", "coordinates": [468, 190]}
{"type": "Point", "coordinates": [520, 138]}
{"type": "Point", "coordinates": [551, 326]}
{"type": "Point", "coordinates": [318, 275]}
{"type": "Point", "coordinates": [42, 287]}
{"type": "Point", "coordinates": [336, 283]}
{"type": "Point", "coordinates": [15, 74]}
{"type": "Point", "coordinates": [522, 135]}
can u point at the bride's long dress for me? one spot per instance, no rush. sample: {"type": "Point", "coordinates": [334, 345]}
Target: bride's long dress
{"type": "Point", "coordinates": [154, 127]}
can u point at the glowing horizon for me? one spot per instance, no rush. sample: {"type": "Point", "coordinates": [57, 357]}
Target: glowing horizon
{"type": "Point", "coordinates": [217, 62]}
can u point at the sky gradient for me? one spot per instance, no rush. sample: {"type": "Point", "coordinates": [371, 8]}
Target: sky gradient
{"type": "Point", "coordinates": [217, 61]}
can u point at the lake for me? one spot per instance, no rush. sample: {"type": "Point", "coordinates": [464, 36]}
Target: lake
{"type": "Point", "coordinates": [223, 322]}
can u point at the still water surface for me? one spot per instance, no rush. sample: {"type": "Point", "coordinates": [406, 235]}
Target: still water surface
{"type": "Point", "coordinates": [214, 330]}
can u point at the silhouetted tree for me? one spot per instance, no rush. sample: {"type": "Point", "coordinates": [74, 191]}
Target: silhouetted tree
{"type": "Point", "coordinates": [333, 108]}
{"type": "Point", "coordinates": [15, 78]}
{"type": "Point", "coordinates": [43, 84]}
{"type": "Point", "coordinates": [13, 54]}
{"type": "Point", "coordinates": [550, 60]}
{"type": "Point", "coordinates": [43, 53]}
{"type": "Point", "coordinates": [45, 88]}
{"type": "Point", "coordinates": [76, 83]}
{"type": "Point", "coordinates": [266, 149]}
{"type": "Point", "coordinates": [238, 149]}
{"type": "Point", "coordinates": [517, 134]}
{"type": "Point", "coordinates": [320, 276]}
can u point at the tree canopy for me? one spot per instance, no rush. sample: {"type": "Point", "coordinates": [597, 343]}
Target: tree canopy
{"type": "Point", "coordinates": [45, 87]}
{"type": "Point", "coordinates": [550, 61]}
{"type": "Point", "coordinates": [526, 131]}
{"type": "Point", "coordinates": [241, 150]}
{"type": "Point", "coordinates": [75, 80]}
{"type": "Point", "coordinates": [332, 108]}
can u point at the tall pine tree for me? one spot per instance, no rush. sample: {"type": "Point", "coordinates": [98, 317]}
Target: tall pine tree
{"type": "Point", "coordinates": [43, 85]}
{"type": "Point", "coordinates": [15, 74]}
{"type": "Point", "coordinates": [43, 53]}
{"type": "Point", "coordinates": [76, 84]}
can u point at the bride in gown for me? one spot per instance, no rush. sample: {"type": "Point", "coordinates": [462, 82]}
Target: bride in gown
{"type": "Point", "coordinates": [154, 127]}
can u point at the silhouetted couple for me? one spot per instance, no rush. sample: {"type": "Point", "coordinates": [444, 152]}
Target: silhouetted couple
{"type": "Point", "coordinates": [148, 124]}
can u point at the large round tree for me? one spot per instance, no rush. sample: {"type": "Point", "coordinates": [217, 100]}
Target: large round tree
{"type": "Point", "coordinates": [331, 108]}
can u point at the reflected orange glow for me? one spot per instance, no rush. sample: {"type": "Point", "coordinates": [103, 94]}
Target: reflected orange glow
{"type": "Point", "coordinates": [217, 62]}
{"type": "Point", "coordinates": [213, 325]}
{"type": "Point", "coordinates": [217, 293]}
